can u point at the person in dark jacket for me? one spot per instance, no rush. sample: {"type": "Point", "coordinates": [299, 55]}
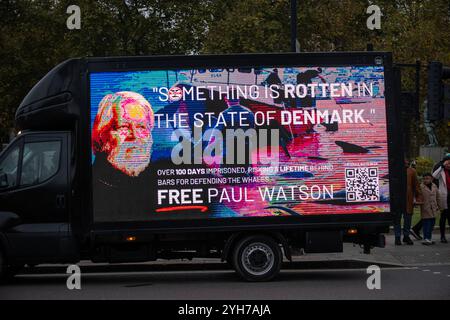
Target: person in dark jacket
{"type": "Point", "coordinates": [413, 194]}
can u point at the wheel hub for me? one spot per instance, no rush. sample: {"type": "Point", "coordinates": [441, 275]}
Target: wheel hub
{"type": "Point", "coordinates": [258, 258]}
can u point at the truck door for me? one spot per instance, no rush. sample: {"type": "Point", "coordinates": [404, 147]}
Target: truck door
{"type": "Point", "coordinates": [38, 192]}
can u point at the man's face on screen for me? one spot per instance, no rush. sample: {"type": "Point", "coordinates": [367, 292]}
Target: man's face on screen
{"type": "Point", "coordinates": [131, 139]}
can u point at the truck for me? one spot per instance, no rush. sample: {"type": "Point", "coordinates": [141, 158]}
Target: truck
{"type": "Point", "coordinates": [242, 157]}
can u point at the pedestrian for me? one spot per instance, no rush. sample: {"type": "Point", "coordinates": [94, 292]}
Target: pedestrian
{"type": "Point", "coordinates": [442, 174]}
{"type": "Point", "coordinates": [429, 208]}
{"type": "Point", "coordinates": [415, 231]}
{"type": "Point", "coordinates": [413, 193]}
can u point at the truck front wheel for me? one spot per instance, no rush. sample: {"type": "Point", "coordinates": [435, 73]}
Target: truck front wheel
{"type": "Point", "coordinates": [257, 258]}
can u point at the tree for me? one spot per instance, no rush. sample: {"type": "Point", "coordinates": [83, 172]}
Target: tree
{"type": "Point", "coordinates": [34, 37]}
{"type": "Point", "coordinates": [410, 29]}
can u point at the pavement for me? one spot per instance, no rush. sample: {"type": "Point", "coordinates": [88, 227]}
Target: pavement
{"type": "Point", "coordinates": [342, 284]}
{"type": "Point", "coordinates": [407, 272]}
{"type": "Point", "coordinates": [392, 255]}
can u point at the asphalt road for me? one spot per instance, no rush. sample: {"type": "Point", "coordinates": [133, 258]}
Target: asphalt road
{"type": "Point", "coordinates": [423, 282]}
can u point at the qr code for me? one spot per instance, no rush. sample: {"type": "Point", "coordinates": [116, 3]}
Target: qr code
{"type": "Point", "coordinates": [361, 184]}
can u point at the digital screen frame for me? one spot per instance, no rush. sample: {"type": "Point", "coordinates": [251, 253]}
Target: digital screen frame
{"type": "Point", "coordinates": [323, 160]}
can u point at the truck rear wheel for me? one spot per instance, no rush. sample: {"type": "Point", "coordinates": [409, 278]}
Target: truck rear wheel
{"type": "Point", "coordinates": [257, 258]}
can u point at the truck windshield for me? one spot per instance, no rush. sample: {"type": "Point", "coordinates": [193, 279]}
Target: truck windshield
{"type": "Point", "coordinates": [8, 169]}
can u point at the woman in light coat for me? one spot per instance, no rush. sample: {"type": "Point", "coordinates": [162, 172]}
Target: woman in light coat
{"type": "Point", "coordinates": [429, 209]}
{"type": "Point", "coordinates": [442, 174]}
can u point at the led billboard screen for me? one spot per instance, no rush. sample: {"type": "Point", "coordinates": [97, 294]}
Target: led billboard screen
{"type": "Point", "coordinates": [238, 142]}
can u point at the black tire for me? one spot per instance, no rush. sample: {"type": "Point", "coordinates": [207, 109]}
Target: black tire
{"type": "Point", "coordinates": [257, 258]}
